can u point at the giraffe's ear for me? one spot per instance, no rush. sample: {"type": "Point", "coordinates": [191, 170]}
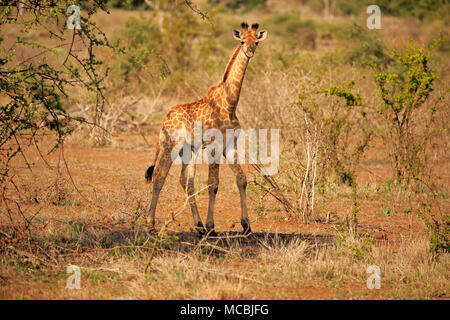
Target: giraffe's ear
{"type": "Point", "coordinates": [237, 34]}
{"type": "Point", "coordinates": [262, 35]}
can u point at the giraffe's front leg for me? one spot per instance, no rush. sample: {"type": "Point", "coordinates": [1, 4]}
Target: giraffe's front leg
{"type": "Point", "coordinates": [187, 182]}
{"type": "Point", "coordinates": [213, 186]}
{"type": "Point", "coordinates": [241, 181]}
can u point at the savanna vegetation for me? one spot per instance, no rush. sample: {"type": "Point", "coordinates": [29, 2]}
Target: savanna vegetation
{"type": "Point", "coordinates": [363, 174]}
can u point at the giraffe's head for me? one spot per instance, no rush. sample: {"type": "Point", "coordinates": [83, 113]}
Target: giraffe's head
{"type": "Point", "coordinates": [249, 38]}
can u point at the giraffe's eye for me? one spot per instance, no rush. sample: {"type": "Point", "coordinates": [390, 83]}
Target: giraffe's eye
{"type": "Point", "coordinates": [242, 42]}
{"type": "Point", "coordinates": [256, 43]}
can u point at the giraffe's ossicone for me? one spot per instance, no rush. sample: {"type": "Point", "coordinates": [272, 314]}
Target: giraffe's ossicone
{"type": "Point", "coordinates": [217, 110]}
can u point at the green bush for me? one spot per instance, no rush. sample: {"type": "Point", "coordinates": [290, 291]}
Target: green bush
{"type": "Point", "coordinates": [247, 4]}
{"type": "Point", "coordinates": [141, 40]}
{"type": "Point", "coordinates": [35, 90]}
{"type": "Point", "coordinates": [347, 119]}
{"type": "Point", "coordinates": [129, 4]}
{"type": "Point", "coordinates": [421, 9]}
{"type": "Point", "coordinates": [156, 49]}
{"type": "Point", "coordinates": [437, 225]}
{"type": "Point", "coordinates": [364, 47]}
{"type": "Point", "coordinates": [297, 33]}
{"type": "Point", "coordinates": [343, 119]}
{"type": "Point", "coordinates": [404, 88]}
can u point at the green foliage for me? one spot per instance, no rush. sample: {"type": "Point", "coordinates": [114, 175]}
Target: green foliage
{"type": "Point", "coordinates": [404, 90]}
{"type": "Point", "coordinates": [257, 195]}
{"type": "Point", "coordinates": [350, 98]}
{"type": "Point", "coordinates": [129, 4]}
{"type": "Point", "coordinates": [247, 4]}
{"type": "Point", "coordinates": [297, 32]}
{"type": "Point", "coordinates": [343, 122]}
{"type": "Point", "coordinates": [350, 7]}
{"type": "Point", "coordinates": [76, 230]}
{"type": "Point", "coordinates": [353, 247]}
{"type": "Point", "coordinates": [364, 47]}
{"type": "Point", "coordinates": [387, 211]}
{"type": "Point", "coordinates": [368, 53]}
{"type": "Point", "coordinates": [181, 26]}
{"type": "Point", "coordinates": [141, 41]}
{"type": "Point", "coordinates": [421, 9]}
{"type": "Point", "coordinates": [438, 226]}
{"type": "Point", "coordinates": [34, 88]}
{"type": "Point", "coordinates": [156, 49]}
{"type": "Point", "coordinates": [338, 120]}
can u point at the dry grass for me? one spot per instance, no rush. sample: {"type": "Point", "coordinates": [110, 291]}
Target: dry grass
{"type": "Point", "coordinates": [277, 267]}
{"type": "Point", "coordinates": [92, 214]}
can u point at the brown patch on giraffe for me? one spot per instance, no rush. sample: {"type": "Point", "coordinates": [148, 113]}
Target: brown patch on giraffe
{"type": "Point", "coordinates": [230, 64]}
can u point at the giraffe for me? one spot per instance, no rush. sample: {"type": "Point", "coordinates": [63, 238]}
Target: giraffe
{"type": "Point", "coordinates": [216, 110]}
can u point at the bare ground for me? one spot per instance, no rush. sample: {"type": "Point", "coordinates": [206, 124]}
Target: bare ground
{"type": "Point", "coordinates": [100, 227]}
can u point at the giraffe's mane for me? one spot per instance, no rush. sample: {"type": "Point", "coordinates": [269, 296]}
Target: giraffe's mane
{"type": "Point", "coordinates": [230, 63]}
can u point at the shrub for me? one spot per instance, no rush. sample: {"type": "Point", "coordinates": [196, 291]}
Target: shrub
{"type": "Point", "coordinates": [421, 9]}
{"type": "Point", "coordinates": [142, 43]}
{"type": "Point", "coordinates": [247, 4]}
{"type": "Point", "coordinates": [298, 33]}
{"type": "Point", "coordinates": [437, 225]}
{"type": "Point", "coordinates": [129, 4]}
{"type": "Point", "coordinates": [156, 48]}
{"type": "Point", "coordinates": [404, 90]}
{"type": "Point", "coordinates": [41, 68]}
{"type": "Point", "coordinates": [365, 48]}
{"type": "Point", "coordinates": [347, 119]}
{"type": "Point", "coordinates": [35, 89]}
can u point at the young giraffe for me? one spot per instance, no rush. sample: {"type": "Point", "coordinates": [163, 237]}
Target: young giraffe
{"type": "Point", "coordinates": [217, 110]}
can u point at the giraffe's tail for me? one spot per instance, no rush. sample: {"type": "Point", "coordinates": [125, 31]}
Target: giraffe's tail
{"type": "Point", "coordinates": [149, 171]}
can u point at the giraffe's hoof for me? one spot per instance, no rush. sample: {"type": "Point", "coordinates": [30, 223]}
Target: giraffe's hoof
{"type": "Point", "coordinates": [247, 231]}
{"type": "Point", "coordinates": [247, 234]}
{"type": "Point", "coordinates": [246, 227]}
{"type": "Point", "coordinates": [211, 233]}
{"type": "Point", "coordinates": [210, 230]}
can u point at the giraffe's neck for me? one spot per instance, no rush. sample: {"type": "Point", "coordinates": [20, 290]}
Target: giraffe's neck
{"type": "Point", "coordinates": [233, 78]}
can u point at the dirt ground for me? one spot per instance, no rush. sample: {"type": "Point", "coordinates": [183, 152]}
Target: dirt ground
{"type": "Point", "coordinates": [283, 259]}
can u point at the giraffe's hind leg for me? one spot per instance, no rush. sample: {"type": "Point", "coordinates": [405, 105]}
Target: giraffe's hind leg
{"type": "Point", "coordinates": [187, 177]}
{"type": "Point", "coordinates": [162, 166]}
{"type": "Point", "coordinates": [213, 186]}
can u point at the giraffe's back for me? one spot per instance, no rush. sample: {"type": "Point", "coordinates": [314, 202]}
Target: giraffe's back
{"type": "Point", "coordinates": [212, 112]}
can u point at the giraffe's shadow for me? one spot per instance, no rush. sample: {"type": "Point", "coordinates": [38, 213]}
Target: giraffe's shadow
{"type": "Point", "coordinates": [186, 242]}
